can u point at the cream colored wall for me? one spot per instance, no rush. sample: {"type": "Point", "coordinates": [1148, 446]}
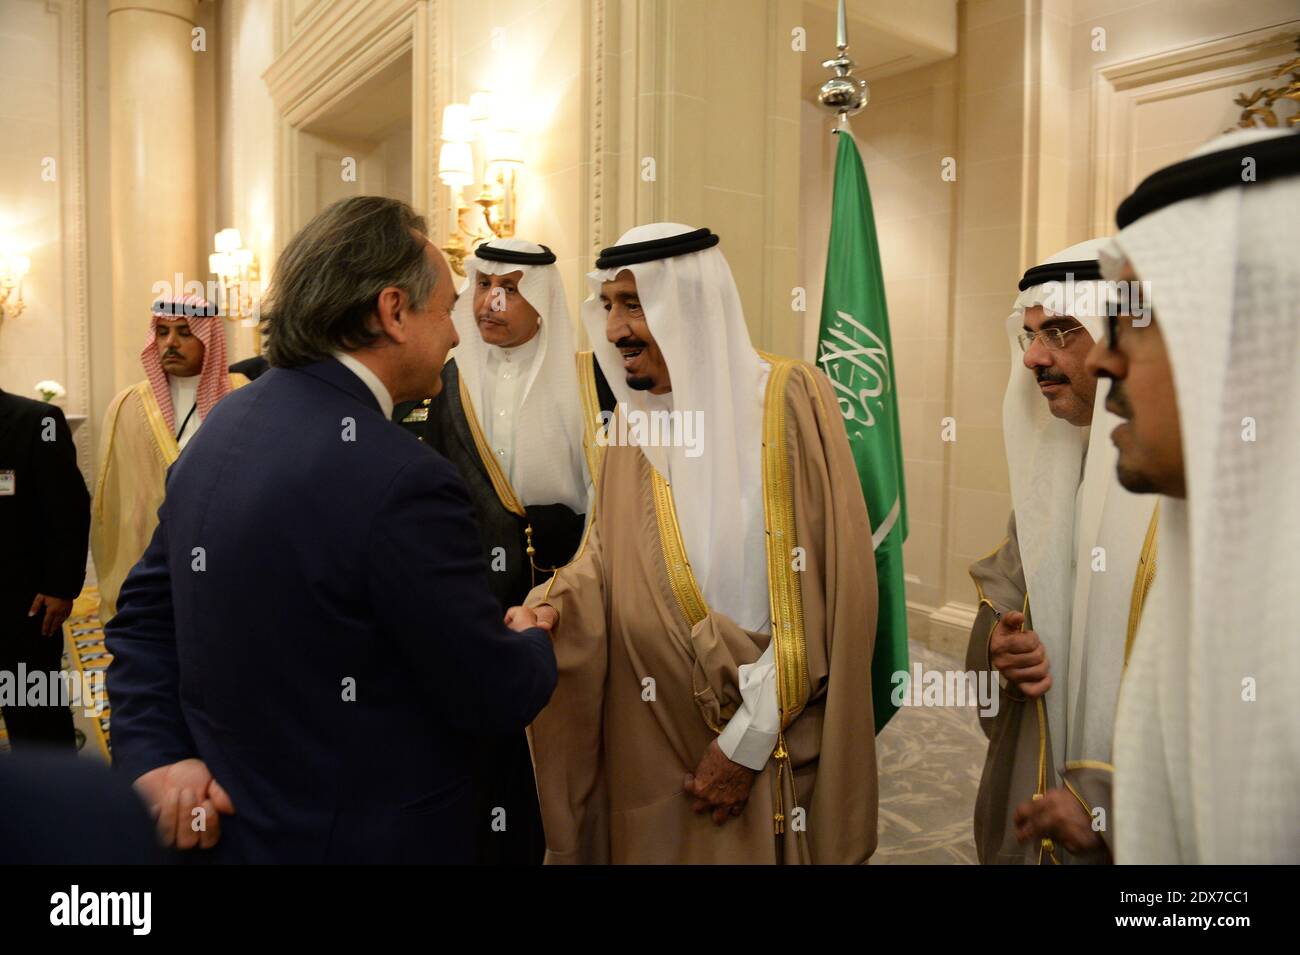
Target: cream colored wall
{"type": "Point", "coordinates": [714, 89]}
{"type": "Point", "coordinates": [246, 125]}
{"type": "Point", "coordinates": [1181, 84]}
{"type": "Point", "coordinates": [533, 53]}
{"type": "Point", "coordinates": [42, 69]}
{"type": "Point", "coordinates": [33, 346]}
{"type": "Point", "coordinates": [709, 91]}
{"type": "Point", "coordinates": [993, 225]}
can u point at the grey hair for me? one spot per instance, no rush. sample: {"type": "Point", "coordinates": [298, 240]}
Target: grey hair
{"type": "Point", "coordinates": [328, 278]}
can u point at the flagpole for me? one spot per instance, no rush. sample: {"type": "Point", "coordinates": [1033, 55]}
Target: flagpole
{"type": "Point", "coordinates": [854, 323]}
{"type": "Point", "coordinates": [843, 94]}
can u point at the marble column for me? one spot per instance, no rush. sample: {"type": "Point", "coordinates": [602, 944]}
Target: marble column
{"type": "Point", "coordinates": [153, 163]}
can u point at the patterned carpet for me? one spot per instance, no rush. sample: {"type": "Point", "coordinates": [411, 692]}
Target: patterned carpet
{"type": "Point", "coordinates": [930, 760]}
{"type": "Point", "coordinates": [83, 650]}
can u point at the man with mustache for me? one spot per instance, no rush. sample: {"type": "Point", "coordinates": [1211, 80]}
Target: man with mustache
{"type": "Point", "coordinates": [146, 427]}
{"type": "Point", "coordinates": [1054, 596]}
{"type": "Point", "coordinates": [510, 416]}
{"type": "Point", "coordinates": [1207, 734]}
{"type": "Point", "coordinates": [715, 631]}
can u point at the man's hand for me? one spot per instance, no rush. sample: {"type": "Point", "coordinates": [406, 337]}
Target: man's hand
{"type": "Point", "coordinates": [173, 792]}
{"type": "Point", "coordinates": [1020, 656]}
{"type": "Point", "coordinates": [57, 610]}
{"type": "Point", "coordinates": [719, 785]}
{"type": "Point", "coordinates": [543, 617]}
{"type": "Point", "coordinates": [1059, 817]}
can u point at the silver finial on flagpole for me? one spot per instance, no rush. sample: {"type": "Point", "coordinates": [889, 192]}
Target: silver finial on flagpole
{"type": "Point", "coordinates": [843, 94]}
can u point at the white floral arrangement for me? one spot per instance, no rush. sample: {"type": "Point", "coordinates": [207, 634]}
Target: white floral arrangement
{"type": "Point", "coordinates": [50, 390]}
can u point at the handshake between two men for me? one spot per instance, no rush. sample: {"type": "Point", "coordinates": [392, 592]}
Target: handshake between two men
{"type": "Point", "coordinates": [187, 802]}
{"type": "Point", "coordinates": [718, 785]}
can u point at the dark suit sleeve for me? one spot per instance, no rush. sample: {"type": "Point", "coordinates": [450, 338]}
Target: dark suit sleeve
{"type": "Point", "coordinates": [429, 584]}
{"type": "Point", "coordinates": [64, 506]}
{"type": "Point", "coordinates": [143, 680]}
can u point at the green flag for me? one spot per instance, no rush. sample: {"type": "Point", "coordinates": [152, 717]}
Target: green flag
{"type": "Point", "coordinates": [854, 350]}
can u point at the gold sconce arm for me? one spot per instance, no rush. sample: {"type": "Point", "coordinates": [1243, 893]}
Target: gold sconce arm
{"type": "Point", "coordinates": [500, 157]}
{"type": "Point", "coordinates": [12, 270]}
{"type": "Point", "coordinates": [238, 275]}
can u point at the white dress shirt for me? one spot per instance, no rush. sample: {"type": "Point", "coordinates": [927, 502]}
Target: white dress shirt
{"type": "Point", "coordinates": [751, 735]}
{"type": "Point", "coordinates": [370, 380]}
{"type": "Point", "coordinates": [504, 375]}
{"type": "Point", "coordinates": [185, 396]}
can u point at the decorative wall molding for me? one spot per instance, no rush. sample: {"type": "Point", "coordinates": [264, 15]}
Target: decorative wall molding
{"type": "Point", "coordinates": [431, 65]}
{"type": "Point", "coordinates": [595, 126]}
{"type": "Point", "coordinates": [339, 46]}
{"type": "Point", "coordinates": [347, 43]}
{"type": "Point", "coordinates": [301, 12]}
{"type": "Point", "coordinates": [1120, 89]}
{"type": "Point", "coordinates": [945, 629]}
{"type": "Point", "coordinates": [72, 219]}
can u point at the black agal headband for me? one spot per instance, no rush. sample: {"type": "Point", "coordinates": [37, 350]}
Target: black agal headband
{"type": "Point", "coordinates": [513, 257]}
{"type": "Point", "coordinates": [665, 248]}
{"type": "Point", "coordinates": [1202, 175]}
{"type": "Point", "coordinates": [189, 307]}
{"type": "Point", "coordinates": [1083, 270]}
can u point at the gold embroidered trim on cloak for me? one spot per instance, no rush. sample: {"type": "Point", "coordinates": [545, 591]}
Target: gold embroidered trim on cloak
{"type": "Point", "coordinates": [788, 639]}
{"type": "Point", "coordinates": [979, 588]}
{"type": "Point", "coordinates": [686, 590]}
{"type": "Point", "coordinates": [110, 429]}
{"type": "Point", "coordinates": [993, 552]}
{"type": "Point", "coordinates": [988, 641]}
{"type": "Point", "coordinates": [500, 483]}
{"type": "Point", "coordinates": [1089, 764]}
{"type": "Point", "coordinates": [791, 650]}
{"type": "Point", "coordinates": [804, 368]}
{"type": "Point", "coordinates": [162, 434]}
{"type": "Point", "coordinates": [1075, 793]}
{"type": "Point", "coordinates": [1045, 845]}
{"type": "Point", "coordinates": [594, 452]}
{"type": "Point", "coordinates": [1142, 580]}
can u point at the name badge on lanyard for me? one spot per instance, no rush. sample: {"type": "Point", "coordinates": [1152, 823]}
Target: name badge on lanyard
{"type": "Point", "coordinates": [8, 484]}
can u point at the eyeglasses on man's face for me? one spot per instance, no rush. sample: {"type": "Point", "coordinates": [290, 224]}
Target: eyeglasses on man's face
{"type": "Point", "coordinates": [1053, 339]}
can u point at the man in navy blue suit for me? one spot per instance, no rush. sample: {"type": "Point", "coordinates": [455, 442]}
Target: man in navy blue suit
{"type": "Point", "coordinates": [308, 646]}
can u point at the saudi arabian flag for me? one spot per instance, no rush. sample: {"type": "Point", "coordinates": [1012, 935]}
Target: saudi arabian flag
{"type": "Point", "coordinates": [853, 348]}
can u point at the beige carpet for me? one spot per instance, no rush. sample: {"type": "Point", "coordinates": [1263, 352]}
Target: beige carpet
{"type": "Point", "coordinates": [930, 760]}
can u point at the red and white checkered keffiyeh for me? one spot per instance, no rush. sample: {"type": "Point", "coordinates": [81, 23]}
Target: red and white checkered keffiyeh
{"type": "Point", "coordinates": [207, 324]}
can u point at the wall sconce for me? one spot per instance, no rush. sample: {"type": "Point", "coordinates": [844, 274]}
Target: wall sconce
{"type": "Point", "coordinates": [463, 126]}
{"type": "Point", "coordinates": [237, 273]}
{"type": "Point", "coordinates": [12, 269]}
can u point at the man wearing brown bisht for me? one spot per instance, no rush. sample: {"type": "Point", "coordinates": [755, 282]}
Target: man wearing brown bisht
{"type": "Point", "coordinates": [714, 633]}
